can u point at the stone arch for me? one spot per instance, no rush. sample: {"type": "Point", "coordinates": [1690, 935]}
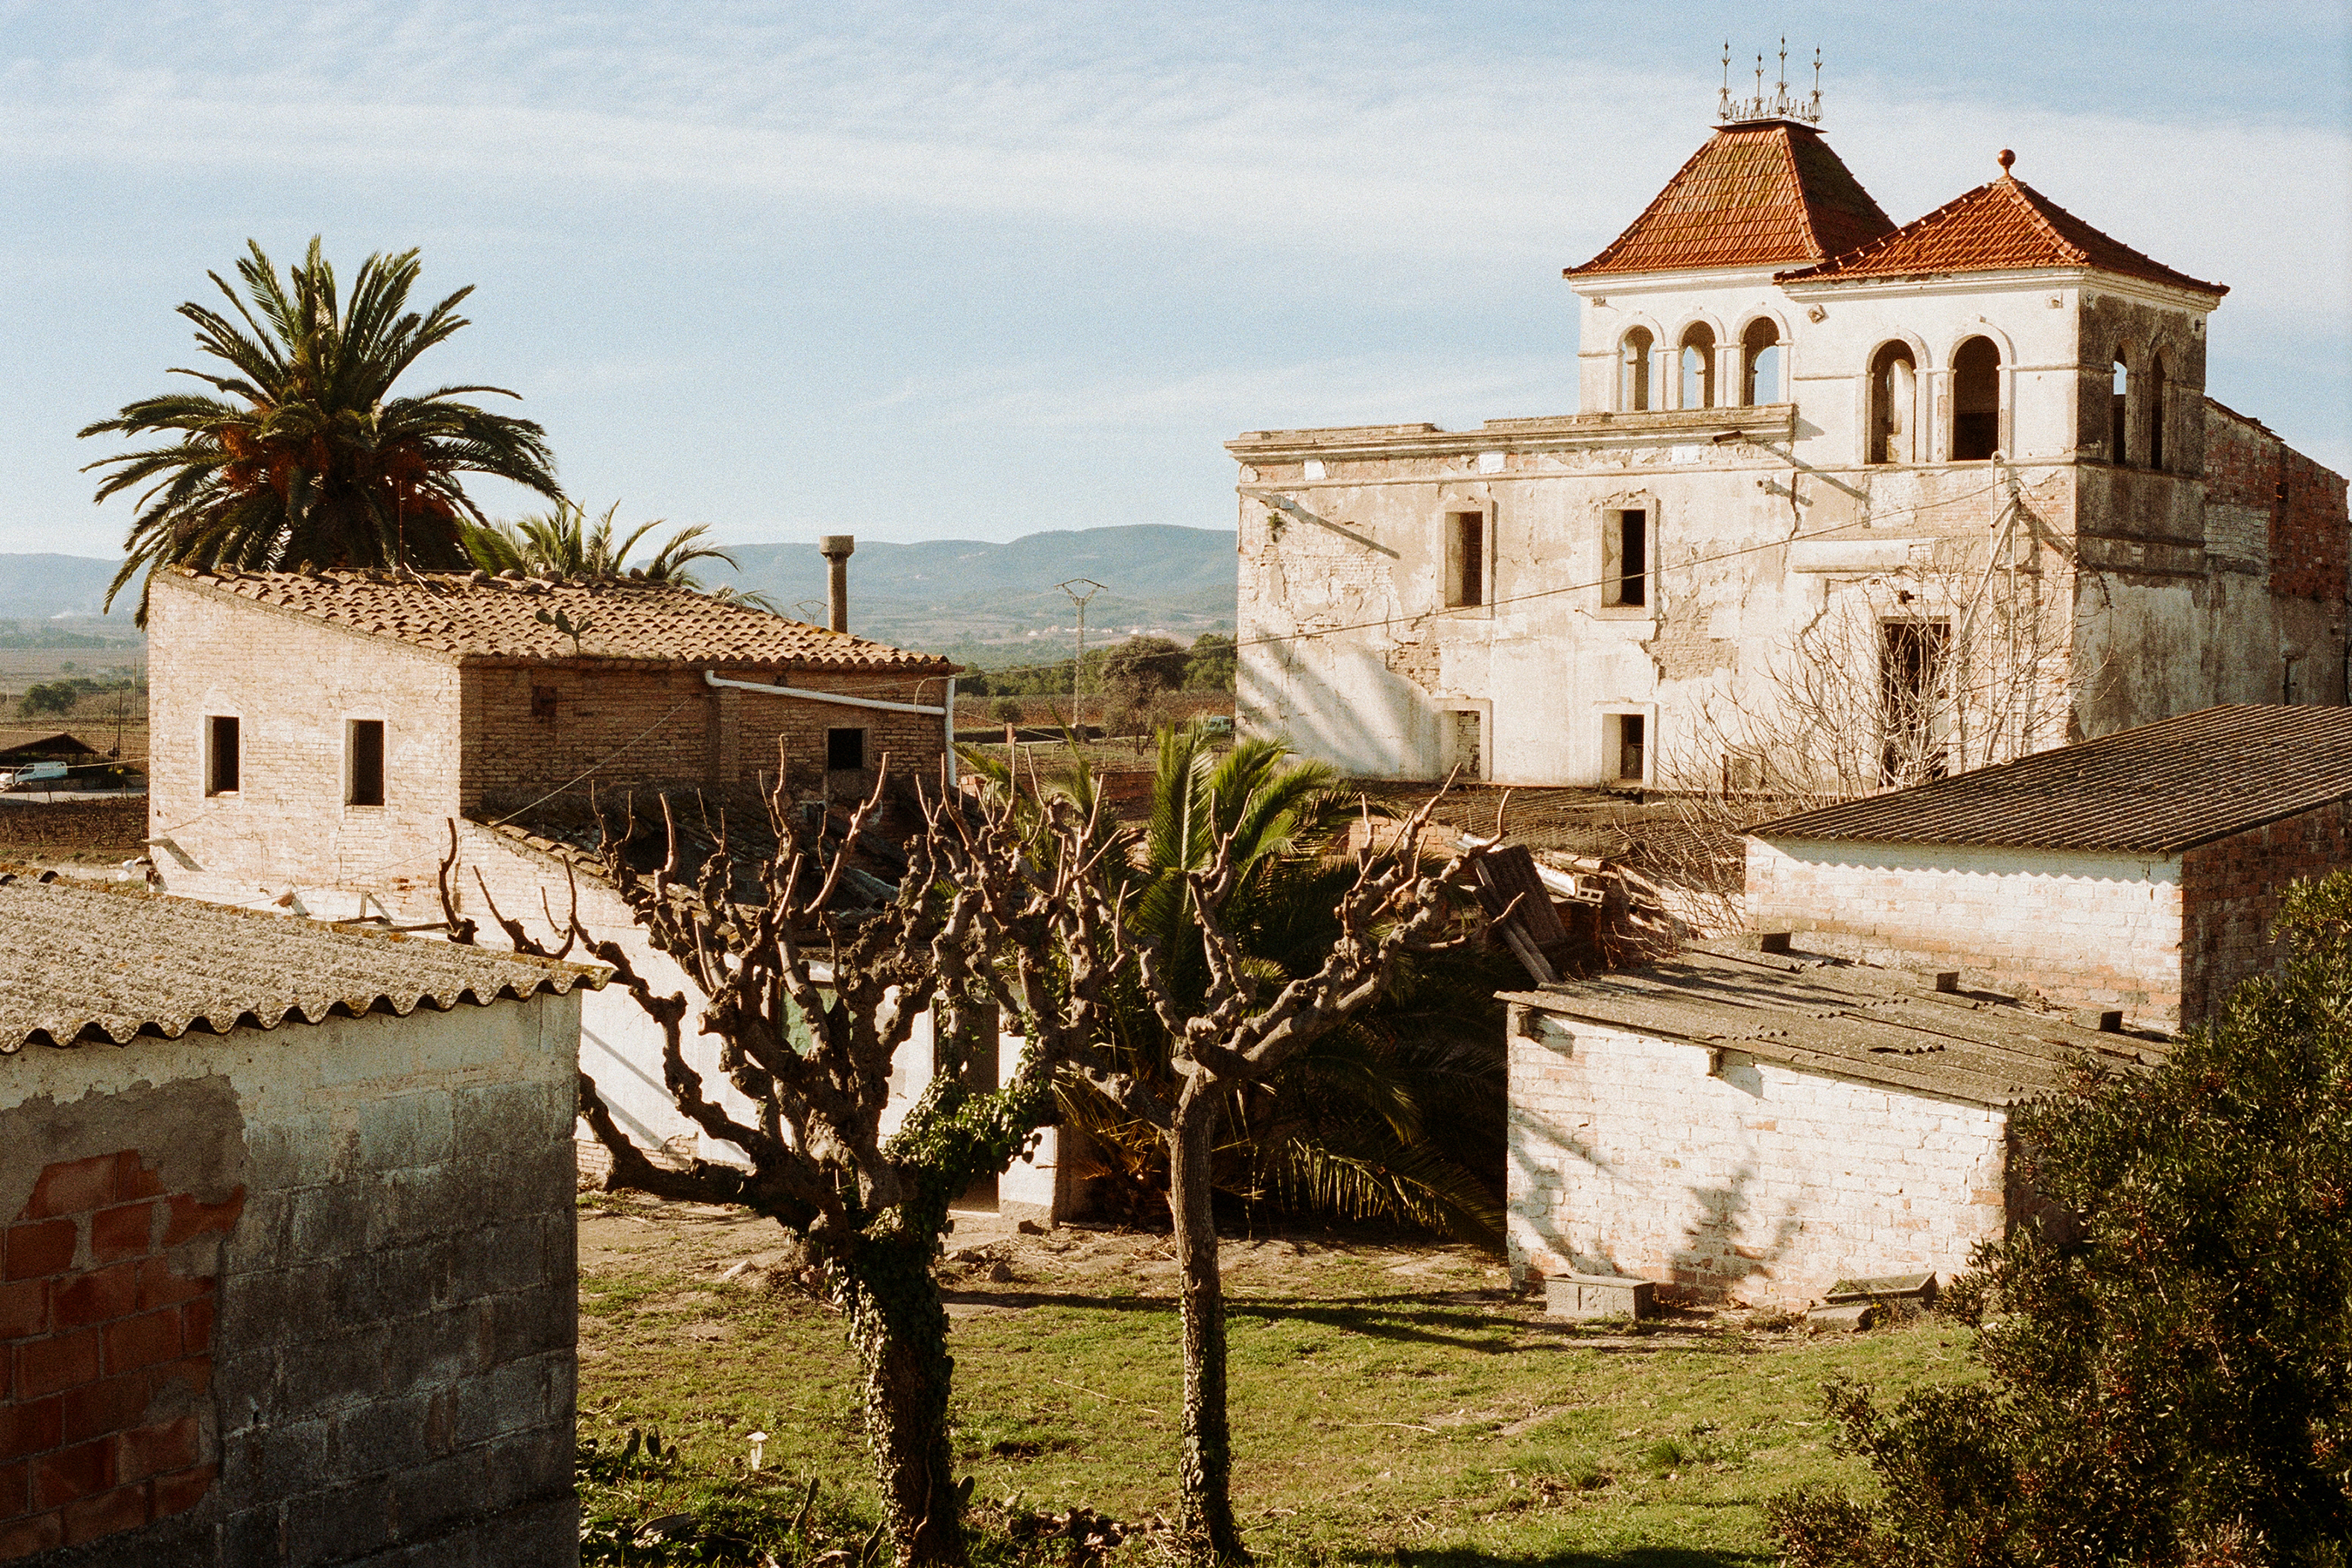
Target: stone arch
{"type": "Point", "coordinates": [1698, 349]}
{"type": "Point", "coordinates": [1977, 403]}
{"type": "Point", "coordinates": [1637, 350]}
{"type": "Point", "coordinates": [2123, 389]}
{"type": "Point", "coordinates": [1752, 349]}
{"type": "Point", "coordinates": [1891, 402]}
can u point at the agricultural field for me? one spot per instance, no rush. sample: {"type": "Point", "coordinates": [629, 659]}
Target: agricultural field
{"type": "Point", "coordinates": [1394, 1401]}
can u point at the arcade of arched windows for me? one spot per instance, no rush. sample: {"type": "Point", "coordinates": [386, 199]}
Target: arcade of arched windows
{"type": "Point", "coordinates": [2140, 411]}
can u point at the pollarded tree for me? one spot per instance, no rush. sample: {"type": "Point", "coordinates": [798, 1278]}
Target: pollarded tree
{"type": "Point", "coordinates": [305, 454]}
{"type": "Point", "coordinates": [810, 1011]}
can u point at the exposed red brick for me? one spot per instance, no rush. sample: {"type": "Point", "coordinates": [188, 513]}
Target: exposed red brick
{"type": "Point", "coordinates": [151, 1450]}
{"type": "Point", "coordinates": [24, 1309]}
{"type": "Point", "coordinates": [22, 1537]}
{"type": "Point", "coordinates": [80, 1300]}
{"type": "Point", "coordinates": [143, 1341]}
{"type": "Point", "coordinates": [71, 1187]}
{"type": "Point", "coordinates": [83, 1471]}
{"type": "Point", "coordinates": [123, 1509]}
{"type": "Point", "coordinates": [37, 1249]}
{"type": "Point", "coordinates": [159, 1286]}
{"type": "Point", "coordinates": [30, 1428]}
{"type": "Point", "coordinates": [197, 1322]}
{"type": "Point", "coordinates": [107, 1406]}
{"type": "Point", "coordinates": [60, 1361]}
{"type": "Point", "coordinates": [118, 1232]}
{"type": "Point", "coordinates": [183, 1491]}
{"type": "Point", "coordinates": [191, 1219]}
{"type": "Point", "coordinates": [15, 1480]}
{"type": "Point", "coordinates": [133, 1179]}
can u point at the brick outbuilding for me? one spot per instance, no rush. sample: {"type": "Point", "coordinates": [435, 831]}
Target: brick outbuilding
{"type": "Point", "coordinates": [285, 1240]}
{"type": "Point", "coordinates": [2138, 872]}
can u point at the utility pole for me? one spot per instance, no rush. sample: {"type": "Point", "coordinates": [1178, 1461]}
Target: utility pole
{"type": "Point", "coordinates": [1079, 664]}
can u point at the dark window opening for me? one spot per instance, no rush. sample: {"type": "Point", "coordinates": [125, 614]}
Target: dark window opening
{"type": "Point", "coordinates": [845, 750]}
{"type": "Point", "coordinates": [1625, 565]}
{"type": "Point", "coordinates": [1698, 366]}
{"type": "Point", "coordinates": [1634, 372]}
{"type": "Point", "coordinates": [220, 756]}
{"type": "Point", "coordinates": [1628, 740]}
{"type": "Point", "coordinates": [2156, 413]}
{"type": "Point", "coordinates": [1465, 559]}
{"type": "Point", "coordinates": [2119, 418]}
{"type": "Point", "coordinates": [1892, 388]}
{"type": "Point", "coordinates": [1759, 364]}
{"type": "Point", "coordinates": [367, 763]}
{"type": "Point", "coordinates": [542, 702]}
{"type": "Point", "coordinates": [1912, 657]}
{"type": "Point", "coordinates": [1976, 401]}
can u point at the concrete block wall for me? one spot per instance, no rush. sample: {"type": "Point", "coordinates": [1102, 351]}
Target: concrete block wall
{"type": "Point", "coordinates": [2230, 893]}
{"type": "Point", "coordinates": [2079, 930]}
{"type": "Point", "coordinates": [1755, 1182]}
{"type": "Point", "coordinates": [348, 1329]}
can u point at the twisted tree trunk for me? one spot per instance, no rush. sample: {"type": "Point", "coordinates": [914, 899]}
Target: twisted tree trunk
{"type": "Point", "coordinates": [1205, 1474]}
{"type": "Point", "coordinates": [898, 1326]}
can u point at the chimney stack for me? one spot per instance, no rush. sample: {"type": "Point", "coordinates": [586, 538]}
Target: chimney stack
{"type": "Point", "coordinates": [836, 549]}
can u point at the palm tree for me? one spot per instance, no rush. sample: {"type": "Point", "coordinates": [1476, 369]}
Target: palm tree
{"type": "Point", "coordinates": [1394, 1114]}
{"type": "Point", "coordinates": [563, 543]}
{"type": "Point", "coordinates": [305, 455]}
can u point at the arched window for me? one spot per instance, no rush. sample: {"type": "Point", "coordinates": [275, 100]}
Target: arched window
{"type": "Point", "coordinates": [1759, 364]}
{"type": "Point", "coordinates": [2119, 418]}
{"type": "Point", "coordinates": [1698, 367]}
{"type": "Point", "coordinates": [1976, 401]}
{"type": "Point", "coordinates": [1633, 371]}
{"type": "Point", "coordinates": [1894, 381]}
{"type": "Point", "coordinates": [2156, 412]}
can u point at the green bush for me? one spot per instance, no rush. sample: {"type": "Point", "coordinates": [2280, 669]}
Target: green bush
{"type": "Point", "coordinates": [2167, 1383]}
{"type": "Point", "coordinates": [54, 697]}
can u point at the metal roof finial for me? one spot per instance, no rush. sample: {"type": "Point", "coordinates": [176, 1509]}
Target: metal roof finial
{"type": "Point", "coordinates": [1776, 105]}
{"type": "Point", "coordinates": [1723, 103]}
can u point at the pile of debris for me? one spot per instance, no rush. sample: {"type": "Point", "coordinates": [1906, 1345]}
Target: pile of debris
{"type": "Point", "coordinates": [1570, 915]}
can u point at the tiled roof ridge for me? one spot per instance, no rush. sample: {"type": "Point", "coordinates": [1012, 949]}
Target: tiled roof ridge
{"type": "Point", "coordinates": [1656, 202]}
{"type": "Point", "coordinates": [2075, 242]}
{"type": "Point", "coordinates": [523, 976]}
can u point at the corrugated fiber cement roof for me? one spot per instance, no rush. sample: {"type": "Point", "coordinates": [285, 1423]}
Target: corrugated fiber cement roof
{"type": "Point", "coordinates": [2158, 789]}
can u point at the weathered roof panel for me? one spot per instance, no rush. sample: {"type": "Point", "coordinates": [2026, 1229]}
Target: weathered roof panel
{"type": "Point", "coordinates": [1850, 1021]}
{"type": "Point", "coordinates": [474, 618]}
{"type": "Point", "coordinates": [87, 962]}
{"type": "Point", "coordinates": [2158, 789]}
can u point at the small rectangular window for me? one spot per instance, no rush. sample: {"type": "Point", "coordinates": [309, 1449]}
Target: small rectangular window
{"type": "Point", "coordinates": [1465, 559]}
{"type": "Point", "coordinates": [1626, 741]}
{"type": "Point", "coordinates": [845, 750]}
{"type": "Point", "coordinates": [364, 745]}
{"type": "Point", "coordinates": [542, 702]}
{"type": "Point", "coordinates": [220, 754]}
{"type": "Point", "coordinates": [1625, 558]}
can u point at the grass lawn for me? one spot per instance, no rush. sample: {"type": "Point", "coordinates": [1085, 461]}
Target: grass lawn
{"type": "Point", "coordinates": [1392, 1403]}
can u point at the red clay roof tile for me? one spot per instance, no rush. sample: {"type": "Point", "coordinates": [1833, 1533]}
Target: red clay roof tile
{"type": "Point", "coordinates": [1760, 195]}
{"type": "Point", "coordinates": [477, 619]}
{"type": "Point", "coordinates": [2005, 226]}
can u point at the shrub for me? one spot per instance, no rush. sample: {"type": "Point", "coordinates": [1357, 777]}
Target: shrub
{"type": "Point", "coordinates": [2171, 1386]}
{"type": "Point", "coordinates": [55, 696]}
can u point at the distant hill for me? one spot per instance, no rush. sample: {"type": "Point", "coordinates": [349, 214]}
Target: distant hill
{"type": "Point", "coordinates": [993, 603]}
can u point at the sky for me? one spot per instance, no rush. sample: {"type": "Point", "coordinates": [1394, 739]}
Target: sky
{"type": "Point", "coordinates": [976, 271]}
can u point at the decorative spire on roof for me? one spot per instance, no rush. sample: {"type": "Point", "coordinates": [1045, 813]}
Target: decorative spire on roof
{"type": "Point", "coordinates": [1730, 110]}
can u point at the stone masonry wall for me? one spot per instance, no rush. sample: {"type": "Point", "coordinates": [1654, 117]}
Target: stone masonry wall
{"type": "Point", "coordinates": [2079, 930]}
{"type": "Point", "coordinates": [2230, 893]}
{"type": "Point", "coordinates": [1758, 1184]}
{"type": "Point", "coordinates": [319, 1305]}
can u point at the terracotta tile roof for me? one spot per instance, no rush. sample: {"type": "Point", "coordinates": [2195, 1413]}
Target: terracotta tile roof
{"type": "Point", "coordinates": [93, 963]}
{"type": "Point", "coordinates": [1755, 195]}
{"type": "Point", "coordinates": [1845, 1020]}
{"type": "Point", "coordinates": [475, 618]}
{"type": "Point", "coordinates": [2005, 226]}
{"type": "Point", "coordinates": [2158, 789]}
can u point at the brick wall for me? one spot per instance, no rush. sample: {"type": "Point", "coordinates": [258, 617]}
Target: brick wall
{"type": "Point", "coordinates": [2251, 475]}
{"type": "Point", "coordinates": [371, 1217]}
{"type": "Point", "coordinates": [1757, 1183]}
{"type": "Point", "coordinates": [2079, 930]}
{"type": "Point", "coordinates": [106, 1328]}
{"type": "Point", "coordinates": [667, 726]}
{"type": "Point", "coordinates": [2230, 893]}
